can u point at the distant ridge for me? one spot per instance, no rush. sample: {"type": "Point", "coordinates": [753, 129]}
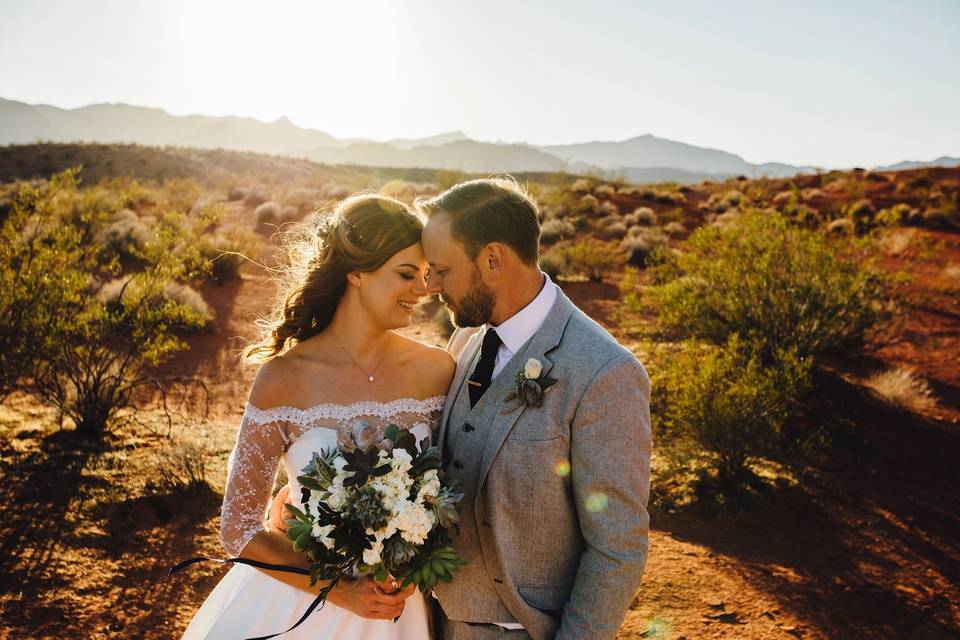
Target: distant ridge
{"type": "Point", "coordinates": [943, 161]}
{"type": "Point", "coordinates": [645, 158]}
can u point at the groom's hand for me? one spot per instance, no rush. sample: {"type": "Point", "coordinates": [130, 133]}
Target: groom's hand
{"type": "Point", "coordinates": [278, 512]}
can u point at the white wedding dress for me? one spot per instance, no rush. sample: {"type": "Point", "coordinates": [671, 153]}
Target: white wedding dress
{"type": "Point", "coordinates": [248, 603]}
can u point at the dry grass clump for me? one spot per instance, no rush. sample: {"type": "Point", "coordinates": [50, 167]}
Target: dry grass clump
{"type": "Point", "coordinates": [181, 466]}
{"type": "Point", "coordinates": [556, 229]}
{"type": "Point", "coordinates": [641, 243]}
{"type": "Point", "coordinates": [228, 250]}
{"type": "Point", "coordinates": [254, 198]}
{"type": "Point", "coordinates": [841, 226]}
{"type": "Point", "coordinates": [188, 297]}
{"type": "Point", "coordinates": [613, 229]}
{"type": "Point", "coordinates": [606, 189]}
{"type": "Point", "coordinates": [673, 228]}
{"type": "Point", "coordinates": [609, 209]}
{"type": "Point", "coordinates": [643, 216]}
{"type": "Point", "coordinates": [588, 204]}
{"type": "Point", "coordinates": [582, 185]}
{"type": "Point", "coordinates": [127, 234]}
{"type": "Point", "coordinates": [903, 388]}
{"type": "Point", "coordinates": [592, 258]}
{"type": "Point", "coordinates": [267, 213]}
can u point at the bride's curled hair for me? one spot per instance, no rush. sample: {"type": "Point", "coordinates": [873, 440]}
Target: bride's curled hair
{"type": "Point", "coordinates": [360, 234]}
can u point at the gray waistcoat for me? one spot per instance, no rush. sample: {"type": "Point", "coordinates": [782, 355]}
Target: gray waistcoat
{"type": "Point", "coordinates": [471, 597]}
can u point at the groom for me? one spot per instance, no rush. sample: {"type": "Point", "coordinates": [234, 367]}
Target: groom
{"type": "Point", "coordinates": [554, 522]}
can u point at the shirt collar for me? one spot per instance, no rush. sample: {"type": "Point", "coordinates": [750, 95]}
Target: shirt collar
{"type": "Point", "coordinates": [521, 326]}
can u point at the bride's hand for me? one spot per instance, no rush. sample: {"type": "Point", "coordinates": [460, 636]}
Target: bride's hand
{"type": "Point", "coordinates": [279, 513]}
{"type": "Point", "coordinates": [370, 599]}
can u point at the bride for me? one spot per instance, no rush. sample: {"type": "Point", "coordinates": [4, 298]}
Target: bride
{"type": "Point", "coordinates": [329, 359]}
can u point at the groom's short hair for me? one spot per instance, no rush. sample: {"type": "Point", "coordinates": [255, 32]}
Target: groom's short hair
{"type": "Point", "coordinates": [490, 210]}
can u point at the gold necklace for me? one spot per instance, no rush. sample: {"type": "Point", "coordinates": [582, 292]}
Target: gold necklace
{"type": "Point", "coordinates": [370, 377]}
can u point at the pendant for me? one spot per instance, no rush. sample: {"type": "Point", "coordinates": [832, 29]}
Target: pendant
{"type": "Point", "coordinates": [369, 378]}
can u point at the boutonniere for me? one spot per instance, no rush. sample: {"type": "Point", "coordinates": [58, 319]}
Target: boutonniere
{"type": "Point", "coordinates": [530, 385]}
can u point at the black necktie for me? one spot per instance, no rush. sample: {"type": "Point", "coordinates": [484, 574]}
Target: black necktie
{"type": "Point", "coordinates": [479, 381]}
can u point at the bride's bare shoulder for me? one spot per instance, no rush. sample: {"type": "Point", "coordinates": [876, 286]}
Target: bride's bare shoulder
{"type": "Point", "coordinates": [271, 387]}
{"type": "Point", "coordinates": [432, 364]}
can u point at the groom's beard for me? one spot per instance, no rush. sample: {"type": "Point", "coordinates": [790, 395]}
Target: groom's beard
{"type": "Point", "coordinates": [476, 307]}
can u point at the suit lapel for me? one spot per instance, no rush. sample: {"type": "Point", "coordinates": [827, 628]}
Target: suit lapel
{"type": "Point", "coordinates": [542, 343]}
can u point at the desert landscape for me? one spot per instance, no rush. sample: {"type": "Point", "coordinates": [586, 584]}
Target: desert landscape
{"type": "Point", "coordinates": [819, 503]}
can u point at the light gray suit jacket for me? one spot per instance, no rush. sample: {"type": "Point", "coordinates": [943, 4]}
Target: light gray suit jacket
{"type": "Point", "coordinates": [565, 485]}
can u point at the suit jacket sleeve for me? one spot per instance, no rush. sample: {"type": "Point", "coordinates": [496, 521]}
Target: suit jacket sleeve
{"type": "Point", "coordinates": [611, 443]}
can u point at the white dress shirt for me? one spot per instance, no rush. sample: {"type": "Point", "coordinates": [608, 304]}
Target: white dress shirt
{"type": "Point", "coordinates": [520, 327]}
{"type": "Point", "coordinates": [514, 333]}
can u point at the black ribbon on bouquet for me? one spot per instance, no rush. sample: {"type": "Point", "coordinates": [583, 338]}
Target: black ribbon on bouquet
{"type": "Point", "coordinates": [317, 602]}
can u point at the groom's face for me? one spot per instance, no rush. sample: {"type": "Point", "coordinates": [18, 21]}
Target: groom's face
{"type": "Point", "coordinates": [455, 276]}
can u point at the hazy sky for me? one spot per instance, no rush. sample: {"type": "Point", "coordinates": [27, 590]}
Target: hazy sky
{"type": "Point", "coordinates": [824, 83]}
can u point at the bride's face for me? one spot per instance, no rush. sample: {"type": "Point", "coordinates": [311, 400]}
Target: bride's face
{"type": "Point", "coordinates": [390, 293]}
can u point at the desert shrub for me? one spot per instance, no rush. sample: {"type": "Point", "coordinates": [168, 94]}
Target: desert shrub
{"type": "Point", "coordinates": [894, 215]}
{"type": "Point", "coordinates": [841, 226]}
{"type": "Point", "coordinates": [723, 405]}
{"type": "Point", "coordinates": [237, 193]}
{"type": "Point", "coordinates": [553, 262]}
{"type": "Point", "coordinates": [254, 198]}
{"type": "Point", "coordinates": [582, 185]}
{"type": "Point", "coordinates": [643, 216]}
{"type": "Point", "coordinates": [673, 228]}
{"type": "Point", "coordinates": [126, 235]}
{"type": "Point", "coordinates": [612, 231]}
{"type": "Point", "coordinates": [606, 189]}
{"type": "Point", "coordinates": [903, 388]}
{"type": "Point", "coordinates": [556, 229]}
{"type": "Point", "coordinates": [861, 213]}
{"type": "Point", "coordinates": [87, 354]}
{"type": "Point", "coordinates": [181, 465]}
{"type": "Point", "coordinates": [191, 299]}
{"type": "Point", "coordinates": [776, 285]}
{"type": "Point", "coordinates": [639, 246]}
{"type": "Point", "coordinates": [609, 209]}
{"type": "Point", "coordinates": [588, 204]}
{"type": "Point", "coordinates": [940, 217]}
{"type": "Point", "coordinates": [267, 213]}
{"type": "Point", "coordinates": [44, 273]}
{"type": "Point", "coordinates": [304, 198]}
{"type": "Point", "coordinates": [227, 251]}
{"type": "Point", "coordinates": [592, 258]}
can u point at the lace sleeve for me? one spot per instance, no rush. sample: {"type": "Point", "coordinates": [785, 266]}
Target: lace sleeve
{"type": "Point", "coordinates": [250, 475]}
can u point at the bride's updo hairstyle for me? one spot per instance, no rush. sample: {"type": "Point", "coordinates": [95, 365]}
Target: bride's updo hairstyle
{"type": "Point", "coordinates": [360, 234]}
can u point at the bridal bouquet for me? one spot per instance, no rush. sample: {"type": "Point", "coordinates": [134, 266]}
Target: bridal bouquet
{"type": "Point", "coordinates": [376, 502]}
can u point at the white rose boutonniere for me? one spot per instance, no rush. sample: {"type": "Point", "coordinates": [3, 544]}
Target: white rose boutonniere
{"type": "Point", "coordinates": [530, 385]}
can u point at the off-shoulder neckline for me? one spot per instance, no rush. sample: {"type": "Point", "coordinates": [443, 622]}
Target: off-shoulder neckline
{"type": "Point", "coordinates": [381, 404]}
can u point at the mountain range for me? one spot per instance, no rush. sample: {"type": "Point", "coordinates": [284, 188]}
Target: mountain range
{"type": "Point", "coordinates": [645, 158]}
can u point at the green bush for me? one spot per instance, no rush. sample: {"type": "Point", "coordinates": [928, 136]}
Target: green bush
{"type": "Point", "coordinates": [592, 258]}
{"type": "Point", "coordinates": [553, 263]}
{"type": "Point", "coordinates": [776, 285]}
{"type": "Point", "coordinates": [722, 406]}
{"type": "Point", "coordinates": [87, 354]}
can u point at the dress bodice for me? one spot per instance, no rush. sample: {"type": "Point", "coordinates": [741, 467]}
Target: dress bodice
{"type": "Point", "coordinates": [292, 434]}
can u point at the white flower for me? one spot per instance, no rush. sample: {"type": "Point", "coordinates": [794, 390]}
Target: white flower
{"type": "Point", "coordinates": [532, 369]}
{"type": "Point", "coordinates": [401, 461]}
{"type": "Point", "coordinates": [429, 486]}
{"type": "Point", "coordinates": [322, 534]}
{"type": "Point", "coordinates": [372, 556]}
{"type": "Point", "coordinates": [414, 523]}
